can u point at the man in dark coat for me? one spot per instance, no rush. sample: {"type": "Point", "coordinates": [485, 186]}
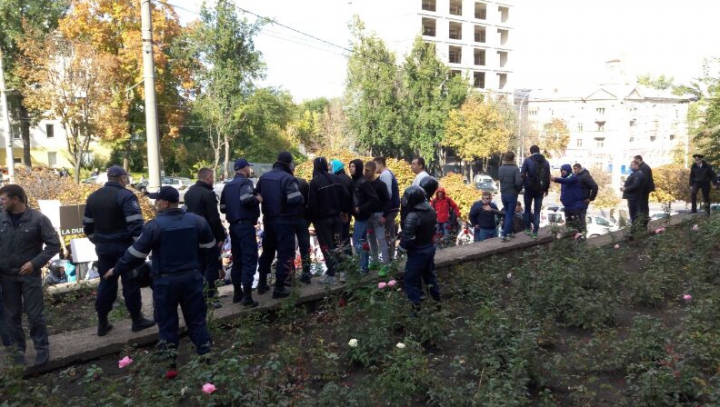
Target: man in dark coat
{"type": "Point", "coordinates": [589, 191]}
{"type": "Point", "coordinates": [702, 176]}
{"type": "Point", "coordinates": [648, 187]}
{"type": "Point", "coordinates": [633, 191]}
{"type": "Point", "coordinates": [201, 200]}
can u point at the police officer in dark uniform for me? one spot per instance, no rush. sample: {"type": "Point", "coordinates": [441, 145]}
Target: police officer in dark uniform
{"type": "Point", "coordinates": [181, 243]}
{"type": "Point", "coordinates": [281, 205]}
{"type": "Point", "coordinates": [241, 207]}
{"type": "Point", "coordinates": [201, 200]}
{"type": "Point", "coordinates": [112, 221]}
{"type": "Point", "coordinates": [418, 228]}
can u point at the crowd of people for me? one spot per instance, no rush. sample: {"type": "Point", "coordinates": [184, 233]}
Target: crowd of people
{"type": "Point", "coordinates": [189, 245]}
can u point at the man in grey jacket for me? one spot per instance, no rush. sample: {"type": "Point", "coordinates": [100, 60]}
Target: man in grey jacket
{"type": "Point", "coordinates": [511, 183]}
{"type": "Point", "coordinates": [23, 232]}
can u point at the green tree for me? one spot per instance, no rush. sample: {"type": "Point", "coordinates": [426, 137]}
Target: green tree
{"type": "Point", "coordinates": [371, 96]}
{"type": "Point", "coordinates": [429, 93]}
{"type": "Point", "coordinates": [16, 18]}
{"type": "Point", "coordinates": [480, 128]}
{"type": "Point", "coordinates": [661, 82]}
{"type": "Point", "coordinates": [224, 45]}
{"type": "Point", "coordinates": [264, 120]}
{"type": "Point", "coordinates": [704, 112]}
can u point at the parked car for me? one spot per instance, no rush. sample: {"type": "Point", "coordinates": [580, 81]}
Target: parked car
{"type": "Point", "coordinates": [599, 225]}
{"type": "Point", "coordinates": [179, 183]}
{"type": "Point", "coordinates": [485, 183]}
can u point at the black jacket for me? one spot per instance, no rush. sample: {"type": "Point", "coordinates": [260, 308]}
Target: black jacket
{"type": "Point", "coordinates": [383, 196]}
{"type": "Point", "coordinates": [365, 198]}
{"type": "Point", "coordinates": [418, 227]}
{"type": "Point", "coordinates": [200, 199]}
{"type": "Point", "coordinates": [701, 175]}
{"type": "Point", "coordinates": [648, 181]}
{"type": "Point", "coordinates": [24, 243]}
{"type": "Point", "coordinates": [588, 185]}
{"type": "Point", "coordinates": [328, 196]}
{"type": "Point", "coordinates": [634, 186]}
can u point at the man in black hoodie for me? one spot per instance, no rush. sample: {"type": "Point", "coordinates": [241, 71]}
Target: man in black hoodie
{"type": "Point", "coordinates": [366, 202]}
{"type": "Point", "coordinates": [329, 204]}
{"type": "Point", "coordinates": [701, 176]}
{"type": "Point", "coordinates": [648, 187]}
{"type": "Point", "coordinates": [589, 189]}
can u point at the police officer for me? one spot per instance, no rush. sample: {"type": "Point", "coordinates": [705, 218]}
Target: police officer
{"type": "Point", "coordinates": [418, 228]}
{"type": "Point", "coordinates": [241, 207]}
{"type": "Point", "coordinates": [201, 200]}
{"type": "Point", "coordinates": [281, 204]}
{"type": "Point", "coordinates": [181, 244]}
{"type": "Point", "coordinates": [112, 222]}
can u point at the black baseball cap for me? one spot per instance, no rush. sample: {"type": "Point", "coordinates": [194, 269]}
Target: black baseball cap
{"type": "Point", "coordinates": [166, 193]}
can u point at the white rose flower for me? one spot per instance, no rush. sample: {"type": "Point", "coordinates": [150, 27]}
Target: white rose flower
{"type": "Point", "coordinates": [353, 343]}
{"type": "Point", "coordinates": [400, 345]}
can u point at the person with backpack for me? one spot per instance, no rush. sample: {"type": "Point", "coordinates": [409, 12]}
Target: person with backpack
{"type": "Point", "coordinates": [391, 227]}
{"type": "Point", "coordinates": [535, 173]}
{"type": "Point", "coordinates": [447, 212]}
{"type": "Point", "coordinates": [589, 191]}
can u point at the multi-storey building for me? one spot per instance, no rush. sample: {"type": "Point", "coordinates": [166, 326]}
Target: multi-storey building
{"type": "Point", "coordinates": [611, 123]}
{"type": "Point", "coordinates": [473, 37]}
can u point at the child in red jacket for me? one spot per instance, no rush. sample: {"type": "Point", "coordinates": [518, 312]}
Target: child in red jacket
{"type": "Point", "coordinates": [447, 212]}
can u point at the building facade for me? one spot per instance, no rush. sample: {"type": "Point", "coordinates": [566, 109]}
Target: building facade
{"type": "Point", "coordinates": [611, 123]}
{"type": "Point", "coordinates": [473, 37]}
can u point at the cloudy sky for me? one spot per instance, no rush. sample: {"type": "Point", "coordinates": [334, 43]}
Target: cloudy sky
{"type": "Point", "coordinates": [557, 43]}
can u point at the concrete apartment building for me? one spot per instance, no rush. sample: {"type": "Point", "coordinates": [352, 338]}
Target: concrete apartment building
{"type": "Point", "coordinates": [473, 37]}
{"type": "Point", "coordinates": [612, 122]}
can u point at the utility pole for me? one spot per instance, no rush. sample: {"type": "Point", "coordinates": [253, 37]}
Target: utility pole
{"type": "Point", "coordinates": [151, 123]}
{"type": "Point", "coordinates": [5, 123]}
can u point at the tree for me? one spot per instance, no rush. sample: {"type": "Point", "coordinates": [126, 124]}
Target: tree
{"type": "Point", "coordinates": [68, 81]}
{"type": "Point", "coordinates": [16, 17]}
{"type": "Point", "coordinates": [263, 120]}
{"type": "Point", "coordinates": [224, 45]}
{"type": "Point", "coordinates": [480, 128]}
{"type": "Point", "coordinates": [707, 92]}
{"type": "Point", "coordinates": [429, 93]}
{"type": "Point", "coordinates": [661, 82]}
{"type": "Point", "coordinates": [333, 127]}
{"type": "Point", "coordinates": [113, 28]}
{"type": "Point", "coordinates": [607, 196]}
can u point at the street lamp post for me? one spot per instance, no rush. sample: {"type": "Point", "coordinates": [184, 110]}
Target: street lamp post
{"type": "Point", "coordinates": [5, 123]}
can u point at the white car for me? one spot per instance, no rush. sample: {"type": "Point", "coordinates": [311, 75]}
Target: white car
{"type": "Point", "coordinates": [598, 225]}
{"type": "Point", "coordinates": [179, 183]}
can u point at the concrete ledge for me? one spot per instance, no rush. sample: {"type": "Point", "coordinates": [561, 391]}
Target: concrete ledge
{"type": "Point", "coordinates": [84, 345]}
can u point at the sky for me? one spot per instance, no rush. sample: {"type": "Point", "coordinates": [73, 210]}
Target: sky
{"type": "Point", "coordinates": [556, 43]}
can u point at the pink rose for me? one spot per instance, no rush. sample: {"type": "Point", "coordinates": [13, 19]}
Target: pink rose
{"type": "Point", "coordinates": [617, 246]}
{"type": "Point", "coordinates": [687, 297]}
{"type": "Point", "coordinates": [124, 362]}
{"type": "Point", "coordinates": [696, 227]}
{"type": "Point", "coordinates": [382, 285]}
{"type": "Point", "coordinates": [577, 236]}
{"type": "Point", "coordinates": [659, 230]}
{"type": "Point", "coordinates": [208, 388]}
{"type": "Point", "coordinates": [391, 283]}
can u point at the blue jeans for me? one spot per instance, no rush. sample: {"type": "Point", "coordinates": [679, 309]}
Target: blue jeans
{"type": "Point", "coordinates": [532, 218]}
{"type": "Point", "coordinates": [359, 240]}
{"type": "Point", "coordinates": [185, 290]}
{"type": "Point", "coordinates": [420, 267]}
{"type": "Point", "coordinates": [484, 234]}
{"type": "Point", "coordinates": [509, 203]}
{"type": "Point", "coordinates": [245, 255]}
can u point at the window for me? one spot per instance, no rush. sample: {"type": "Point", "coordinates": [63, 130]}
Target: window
{"type": "Point", "coordinates": [599, 143]}
{"type": "Point", "coordinates": [504, 34]}
{"type": "Point", "coordinates": [455, 31]}
{"type": "Point", "coordinates": [428, 5]}
{"type": "Point", "coordinates": [578, 142]}
{"type": "Point", "coordinates": [455, 55]}
{"type": "Point", "coordinates": [456, 7]}
{"type": "Point", "coordinates": [580, 127]}
{"type": "Point", "coordinates": [50, 130]}
{"type": "Point", "coordinates": [632, 123]}
{"type": "Point", "coordinates": [479, 80]}
{"type": "Point", "coordinates": [502, 80]}
{"type": "Point", "coordinates": [601, 127]}
{"type": "Point", "coordinates": [481, 11]}
{"type": "Point", "coordinates": [672, 137]}
{"type": "Point", "coordinates": [652, 138]}
{"type": "Point", "coordinates": [504, 14]}
{"type": "Point", "coordinates": [52, 158]}
{"type": "Point", "coordinates": [503, 57]}
{"type": "Point", "coordinates": [600, 110]}
{"type": "Point", "coordinates": [533, 112]}
{"type": "Point", "coordinates": [428, 26]}
{"type": "Point", "coordinates": [480, 35]}
{"type": "Point", "coordinates": [16, 131]}
{"type": "Point", "coordinates": [479, 56]}
{"type": "Point", "coordinates": [455, 73]}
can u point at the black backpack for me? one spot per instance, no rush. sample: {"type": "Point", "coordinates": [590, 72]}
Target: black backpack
{"type": "Point", "coordinates": [538, 181]}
